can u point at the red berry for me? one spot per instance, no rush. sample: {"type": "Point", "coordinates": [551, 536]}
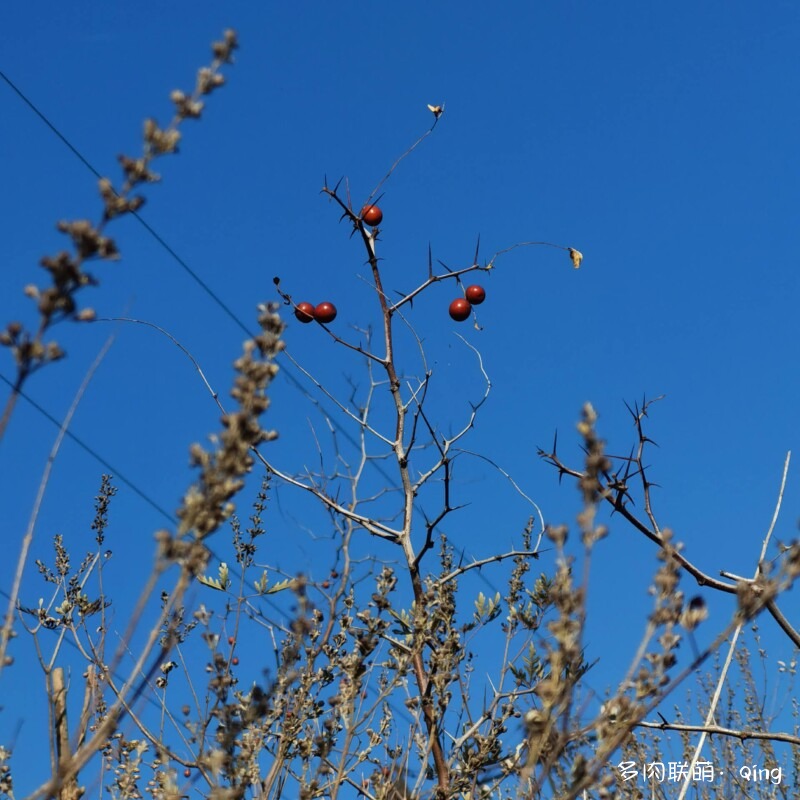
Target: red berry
{"type": "Point", "coordinates": [372, 215]}
{"type": "Point", "coordinates": [231, 640]}
{"type": "Point", "coordinates": [460, 309]}
{"type": "Point", "coordinates": [475, 294]}
{"type": "Point", "coordinates": [187, 773]}
{"type": "Point", "coordinates": [325, 312]}
{"type": "Point", "coordinates": [304, 312]}
{"type": "Point", "coordinates": [235, 661]}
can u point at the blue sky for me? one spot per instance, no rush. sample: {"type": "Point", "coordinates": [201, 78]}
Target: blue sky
{"type": "Point", "coordinates": [660, 141]}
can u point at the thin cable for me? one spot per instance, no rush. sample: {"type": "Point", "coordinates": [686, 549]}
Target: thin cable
{"type": "Point", "coordinates": [195, 277]}
{"type": "Point", "coordinates": [49, 124]}
{"type": "Point", "coordinates": [94, 454]}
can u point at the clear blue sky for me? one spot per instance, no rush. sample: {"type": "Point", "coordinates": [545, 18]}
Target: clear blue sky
{"type": "Point", "coordinates": [658, 140]}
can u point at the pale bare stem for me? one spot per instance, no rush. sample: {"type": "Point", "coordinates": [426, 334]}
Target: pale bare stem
{"type": "Point", "coordinates": [441, 447]}
{"type": "Point", "coordinates": [344, 777]}
{"type": "Point", "coordinates": [90, 692]}
{"type": "Point", "coordinates": [313, 400]}
{"type": "Point", "coordinates": [647, 638]}
{"type": "Point", "coordinates": [717, 730]}
{"type": "Point", "coordinates": [349, 744]}
{"type": "Point", "coordinates": [447, 444]}
{"type": "Point", "coordinates": [517, 488]}
{"type": "Point", "coordinates": [356, 348]}
{"type": "Point", "coordinates": [527, 244]}
{"type": "Point", "coordinates": [177, 344]}
{"type": "Point", "coordinates": [341, 406]}
{"type": "Point", "coordinates": [444, 464]}
{"type": "Point", "coordinates": [499, 696]}
{"type": "Point", "coordinates": [314, 436]}
{"type": "Point", "coordinates": [46, 622]}
{"type": "Point", "coordinates": [476, 406]}
{"type": "Point", "coordinates": [416, 397]}
{"type": "Point", "coordinates": [363, 416]}
{"type": "Point", "coordinates": [157, 742]}
{"type": "Point", "coordinates": [775, 514]}
{"type": "Point", "coordinates": [426, 371]}
{"type": "Point", "coordinates": [483, 562]}
{"type": "Point", "coordinates": [454, 274]}
{"type": "Point", "coordinates": [375, 528]}
{"type": "Point", "coordinates": [400, 158]}
{"type": "Point", "coordinates": [8, 619]}
{"type": "Point", "coordinates": [388, 363]}
{"type": "Point", "coordinates": [712, 708]}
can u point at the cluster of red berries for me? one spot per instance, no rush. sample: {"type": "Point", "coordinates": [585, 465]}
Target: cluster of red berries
{"type": "Point", "coordinates": [461, 307]}
{"type": "Point", "coordinates": [308, 312]}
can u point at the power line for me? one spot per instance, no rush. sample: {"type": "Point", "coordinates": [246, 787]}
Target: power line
{"type": "Point", "coordinates": [49, 124]}
{"type": "Point", "coordinates": [94, 454]}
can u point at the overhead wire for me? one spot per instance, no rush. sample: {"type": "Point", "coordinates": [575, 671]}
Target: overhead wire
{"type": "Point", "coordinates": [118, 474]}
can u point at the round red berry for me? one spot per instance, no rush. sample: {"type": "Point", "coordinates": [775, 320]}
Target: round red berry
{"type": "Point", "coordinates": [460, 309]}
{"type": "Point", "coordinates": [325, 312]}
{"type": "Point", "coordinates": [304, 312]}
{"type": "Point", "coordinates": [475, 294]}
{"type": "Point", "coordinates": [372, 215]}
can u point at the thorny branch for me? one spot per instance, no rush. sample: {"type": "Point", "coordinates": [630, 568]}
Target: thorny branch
{"type": "Point", "coordinates": [615, 490]}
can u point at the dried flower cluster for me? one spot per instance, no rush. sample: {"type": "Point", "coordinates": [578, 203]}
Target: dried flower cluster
{"type": "Point", "coordinates": [206, 506]}
{"type": "Point", "coordinates": [67, 269]}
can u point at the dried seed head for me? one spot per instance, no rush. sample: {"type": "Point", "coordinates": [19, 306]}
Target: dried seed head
{"type": "Point", "coordinates": [437, 111]}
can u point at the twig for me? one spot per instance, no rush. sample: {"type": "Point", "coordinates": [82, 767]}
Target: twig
{"type": "Point", "coordinates": [732, 646]}
{"type": "Point", "coordinates": [27, 540]}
